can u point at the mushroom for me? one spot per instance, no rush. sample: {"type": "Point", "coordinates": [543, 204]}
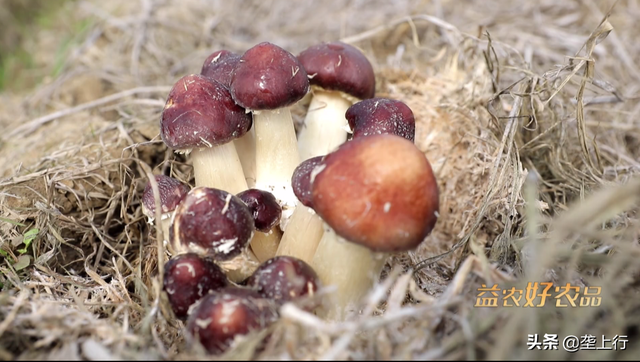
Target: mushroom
{"type": "Point", "coordinates": [189, 277]}
{"type": "Point", "coordinates": [224, 317]}
{"type": "Point", "coordinates": [217, 224]}
{"type": "Point", "coordinates": [266, 214]}
{"type": "Point", "coordinates": [340, 75]}
{"type": "Point", "coordinates": [219, 66]}
{"type": "Point", "coordinates": [267, 81]}
{"type": "Point", "coordinates": [305, 228]}
{"type": "Point", "coordinates": [381, 115]}
{"type": "Point", "coordinates": [285, 279]}
{"type": "Point", "coordinates": [377, 195]}
{"type": "Point", "coordinates": [201, 117]}
{"type": "Point", "coordinates": [171, 192]}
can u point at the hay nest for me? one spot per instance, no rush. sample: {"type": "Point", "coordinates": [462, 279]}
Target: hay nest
{"type": "Point", "coordinates": [527, 112]}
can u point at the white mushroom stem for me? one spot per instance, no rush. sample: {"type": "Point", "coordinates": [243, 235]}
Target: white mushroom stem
{"type": "Point", "coordinates": [246, 148]}
{"type": "Point", "coordinates": [276, 157]}
{"type": "Point", "coordinates": [350, 268]}
{"type": "Point", "coordinates": [304, 231]}
{"type": "Point", "coordinates": [325, 126]}
{"type": "Point", "coordinates": [219, 167]}
{"type": "Point", "coordinates": [264, 245]}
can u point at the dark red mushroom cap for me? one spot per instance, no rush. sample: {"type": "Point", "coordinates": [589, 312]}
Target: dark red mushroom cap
{"type": "Point", "coordinates": [220, 65]}
{"type": "Point", "coordinates": [284, 278]}
{"type": "Point", "coordinates": [301, 180]}
{"type": "Point", "coordinates": [212, 222]}
{"type": "Point", "coordinates": [341, 67]}
{"type": "Point", "coordinates": [189, 277]}
{"type": "Point", "coordinates": [381, 115]}
{"type": "Point", "coordinates": [224, 315]}
{"type": "Point", "coordinates": [264, 207]}
{"type": "Point", "coordinates": [377, 191]}
{"type": "Point", "coordinates": [201, 113]}
{"type": "Point", "coordinates": [268, 77]}
{"type": "Point", "coordinates": [171, 192]}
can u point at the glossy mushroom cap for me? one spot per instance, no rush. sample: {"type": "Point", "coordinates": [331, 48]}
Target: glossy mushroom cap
{"type": "Point", "coordinates": [201, 113]}
{"type": "Point", "coordinates": [378, 191]}
{"type": "Point", "coordinates": [171, 192]}
{"type": "Point", "coordinates": [223, 315]}
{"type": "Point", "coordinates": [212, 222]}
{"type": "Point", "coordinates": [301, 180]}
{"type": "Point", "coordinates": [264, 207]}
{"type": "Point", "coordinates": [284, 278]}
{"type": "Point", "coordinates": [189, 277]}
{"type": "Point", "coordinates": [268, 77]}
{"type": "Point", "coordinates": [341, 67]}
{"type": "Point", "coordinates": [381, 115]}
{"type": "Point", "coordinates": [220, 65]}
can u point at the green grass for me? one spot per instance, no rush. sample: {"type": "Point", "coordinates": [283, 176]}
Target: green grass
{"type": "Point", "coordinates": [17, 66]}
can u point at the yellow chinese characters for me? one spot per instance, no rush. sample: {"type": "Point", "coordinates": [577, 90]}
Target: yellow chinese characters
{"type": "Point", "coordinates": [537, 294]}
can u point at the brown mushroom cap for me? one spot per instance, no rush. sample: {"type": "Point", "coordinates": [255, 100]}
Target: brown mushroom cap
{"type": "Point", "coordinates": [171, 192]}
{"type": "Point", "coordinates": [341, 67]}
{"type": "Point", "coordinates": [201, 113]}
{"type": "Point", "coordinates": [212, 222]}
{"type": "Point", "coordinates": [264, 207]}
{"type": "Point", "coordinates": [381, 115]}
{"type": "Point", "coordinates": [187, 278]}
{"type": "Point", "coordinates": [301, 180]}
{"type": "Point", "coordinates": [377, 191]}
{"type": "Point", "coordinates": [225, 314]}
{"type": "Point", "coordinates": [268, 77]}
{"type": "Point", "coordinates": [220, 65]}
{"type": "Point", "coordinates": [284, 278]}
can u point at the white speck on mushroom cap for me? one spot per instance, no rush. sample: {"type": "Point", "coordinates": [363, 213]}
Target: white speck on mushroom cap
{"type": "Point", "coordinates": [387, 207]}
{"type": "Point", "coordinates": [316, 170]}
{"type": "Point", "coordinates": [227, 200]}
{"type": "Point", "coordinates": [226, 246]}
{"type": "Point", "coordinates": [228, 308]}
{"type": "Point", "coordinates": [217, 57]}
{"type": "Point", "coordinates": [202, 323]}
{"type": "Point", "coordinates": [190, 269]}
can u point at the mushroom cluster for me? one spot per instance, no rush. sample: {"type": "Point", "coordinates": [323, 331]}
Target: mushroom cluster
{"type": "Point", "coordinates": [276, 213]}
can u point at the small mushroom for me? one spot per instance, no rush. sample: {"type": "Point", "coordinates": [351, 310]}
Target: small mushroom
{"type": "Point", "coordinates": [267, 81]}
{"type": "Point", "coordinates": [381, 115]}
{"type": "Point", "coordinates": [285, 279]}
{"type": "Point", "coordinates": [305, 228]}
{"type": "Point", "coordinates": [189, 277]}
{"type": "Point", "coordinates": [340, 75]}
{"type": "Point", "coordinates": [220, 65]}
{"type": "Point", "coordinates": [217, 224]}
{"type": "Point", "coordinates": [224, 317]}
{"type": "Point", "coordinates": [377, 195]}
{"type": "Point", "coordinates": [266, 213]}
{"type": "Point", "coordinates": [171, 192]}
{"type": "Point", "coordinates": [201, 117]}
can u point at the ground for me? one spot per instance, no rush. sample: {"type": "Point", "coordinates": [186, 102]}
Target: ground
{"type": "Point", "coordinates": [527, 112]}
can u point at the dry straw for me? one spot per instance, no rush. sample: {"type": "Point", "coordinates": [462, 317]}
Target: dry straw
{"type": "Point", "coordinates": [526, 111]}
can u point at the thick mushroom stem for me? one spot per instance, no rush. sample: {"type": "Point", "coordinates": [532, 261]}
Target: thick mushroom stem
{"type": "Point", "coordinates": [218, 167]}
{"type": "Point", "coordinates": [264, 245]}
{"type": "Point", "coordinates": [325, 126]}
{"type": "Point", "coordinates": [246, 149]}
{"type": "Point", "coordinates": [350, 268]}
{"type": "Point", "coordinates": [304, 232]}
{"type": "Point", "coordinates": [276, 157]}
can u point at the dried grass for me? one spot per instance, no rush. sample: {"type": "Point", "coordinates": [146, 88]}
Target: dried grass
{"type": "Point", "coordinates": [526, 110]}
